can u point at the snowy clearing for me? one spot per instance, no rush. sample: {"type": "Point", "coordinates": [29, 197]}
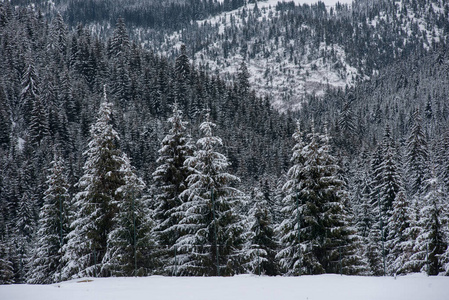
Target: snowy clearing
{"type": "Point", "coordinates": [248, 287]}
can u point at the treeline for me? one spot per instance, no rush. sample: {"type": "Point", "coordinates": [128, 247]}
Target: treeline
{"type": "Point", "coordinates": [166, 15]}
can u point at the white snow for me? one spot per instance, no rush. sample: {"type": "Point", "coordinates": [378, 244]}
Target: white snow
{"type": "Point", "coordinates": [244, 287]}
{"type": "Point", "coordinates": [20, 143]}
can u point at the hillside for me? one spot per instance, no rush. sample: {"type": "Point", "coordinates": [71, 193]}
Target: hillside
{"type": "Point", "coordinates": [293, 49]}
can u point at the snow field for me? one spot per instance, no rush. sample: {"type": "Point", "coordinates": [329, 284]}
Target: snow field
{"type": "Point", "coordinates": [244, 287]}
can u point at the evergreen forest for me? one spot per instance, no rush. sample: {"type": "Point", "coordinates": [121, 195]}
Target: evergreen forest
{"type": "Point", "coordinates": [119, 157]}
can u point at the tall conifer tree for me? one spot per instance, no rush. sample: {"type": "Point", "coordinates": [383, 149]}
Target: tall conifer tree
{"type": "Point", "coordinates": [103, 187]}
{"type": "Point", "coordinates": [170, 181]}
{"type": "Point", "coordinates": [212, 238]}
{"type": "Point", "coordinates": [46, 262]}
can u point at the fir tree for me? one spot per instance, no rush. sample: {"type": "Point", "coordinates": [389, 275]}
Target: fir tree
{"type": "Point", "coordinates": [290, 256]}
{"type": "Point", "coordinates": [130, 244]}
{"type": "Point", "coordinates": [243, 79]}
{"type": "Point", "coordinates": [30, 92]}
{"type": "Point", "coordinates": [400, 240]}
{"type": "Point", "coordinates": [39, 127]}
{"type": "Point", "coordinates": [261, 244]}
{"type": "Point", "coordinates": [417, 155]}
{"type": "Point", "coordinates": [6, 264]}
{"type": "Point", "coordinates": [170, 181]}
{"type": "Point", "coordinates": [212, 232]}
{"type": "Point", "coordinates": [182, 71]}
{"type": "Point", "coordinates": [431, 243]}
{"type": "Point", "coordinates": [45, 265]}
{"type": "Point", "coordinates": [385, 184]}
{"type": "Point", "coordinates": [101, 186]}
{"type": "Point", "coordinates": [119, 45]}
{"type": "Point", "coordinates": [315, 207]}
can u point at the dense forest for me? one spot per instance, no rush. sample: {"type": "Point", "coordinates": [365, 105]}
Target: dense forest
{"type": "Point", "coordinates": [120, 161]}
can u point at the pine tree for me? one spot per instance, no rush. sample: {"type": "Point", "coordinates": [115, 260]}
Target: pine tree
{"type": "Point", "coordinates": [291, 234]}
{"type": "Point", "coordinates": [46, 264]}
{"type": "Point", "coordinates": [400, 240]}
{"type": "Point", "coordinates": [182, 70]}
{"type": "Point", "coordinates": [39, 128]}
{"type": "Point", "coordinates": [119, 45]}
{"type": "Point", "coordinates": [30, 92]}
{"type": "Point", "coordinates": [385, 185]}
{"type": "Point", "coordinates": [212, 232]}
{"type": "Point", "coordinates": [431, 243]}
{"type": "Point", "coordinates": [261, 244]}
{"type": "Point", "coordinates": [5, 121]}
{"type": "Point", "coordinates": [58, 41]}
{"type": "Point", "coordinates": [391, 180]}
{"type": "Point", "coordinates": [6, 265]}
{"type": "Point", "coordinates": [101, 186]}
{"type": "Point", "coordinates": [417, 155]}
{"type": "Point", "coordinates": [130, 244]}
{"type": "Point", "coordinates": [23, 237]}
{"type": "Point", "coordinates": [243, 79]}
{"type": "Point", "coordinates": [315, 207]}
{"type": "Point", "coordinates": [170, 181]}
{"type": "Point", "coordinates": [444, 160]}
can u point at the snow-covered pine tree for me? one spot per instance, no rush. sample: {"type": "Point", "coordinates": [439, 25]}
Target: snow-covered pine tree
{"type": "Point", "coordinates": [209, 221]}
{"type": "Point", "coordinates": [6, 265]}
{"type": "Point", "coordinates": [431, 243]}
{"type": "Point", "coordinates": [45, 265]}
{"type": "Point", "coordinates": [119, 43]}
{"type": "Point", "coordinates": [261, 244]}
{"type": "Point", "coordinates": [182, 71]}
{"type": "Point", "coordinates": [385, 184]}
{"type": "Point", "coordinates": [30, 89]}
{"type": "Point", "coordinates": [100, 191]}
{"type": "Point", "coordinates": [170, 181]}
{"type": "Point", "coordinates": [290, 256]}
{"type": "Point", "coordinates": [363, 218]}
{"type": "Point", "coordinates": [23, 237]}
{"type": "Point", "coordinates": [39, 127]}
{"type": "Point", "coordinates": [243, 79]}
{"type": "Point", "coordinates": [417, 155]}
{"type": "Point", "coordinates": [315, 200]}
{"type": "Point", "coordinates": [130, 243]}
{"type": "Point", "coordinates": [400, 240]}
{"type": "Point", "coordinates": [391, 179]}
{"type": "Point", "coordinates": [444, 159]}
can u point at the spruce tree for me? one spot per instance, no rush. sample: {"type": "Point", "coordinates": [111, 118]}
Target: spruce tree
{"type": "Point", "coordinates": [212, 232]}
{"type": "Point", "coordinates": [170, 181]}
{"type": "Point", "coordinates": [261, 243]}
{"type": "Point", "coordinates": [102, 188]}
{"type": "Point", "coordinates": [431, 243]}
{"type": "Point", "coordinates": [6, 264]}
{"type": "Point", "coordinates": [400, 240]}
{"type": "Point", "coordinates": [315, 206]}
{"type": "Point", "coordinates": [23, 236]}
{"type": "Point", "coordinates": [130, 244]}
{"type": "Point", "coordinates": [30, 92]}
{"type": "Point", "coordinates": [417, 155]}
{"type": "Point", "coordinates": [46, 262]}
{"type": "Point", "coordinates": [385, 185]}
{"type": "Point", "coordinates": [291, 234]}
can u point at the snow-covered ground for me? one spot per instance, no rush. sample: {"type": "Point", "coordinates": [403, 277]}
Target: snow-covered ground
{"type": "Point", "coordinates": [244, 287]}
